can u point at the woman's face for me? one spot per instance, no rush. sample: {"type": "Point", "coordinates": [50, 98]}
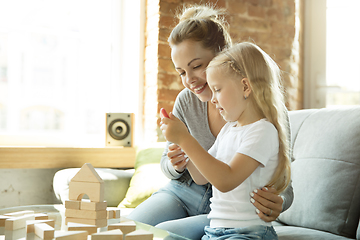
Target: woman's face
{"type": "Point", "coordinates": [190, 60]}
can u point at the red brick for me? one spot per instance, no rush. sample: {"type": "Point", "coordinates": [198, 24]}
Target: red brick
{"type": "Point", "coordinates": [169, 80]}
{"type": "Point", "coordinates": [256, 11]}
{"type": "Point", "coordinates": [164, 34]}
{"type": "Point", "coordinates": [165, 65]}
{"type": "Point", "coordinates": [236, 7]}
{"type": "Point", "coordinates": [167, 21]}
{"type": "Point", "coordinates": [164, 50]}
{"type": "Point", "coordinates": [172, 1]}
{"type": "Point", "coordinates": [169, 8]}
{"type": "Point", "coordinates": [167, 94]}
{"type": "Point", "coordinates": [274, 14]}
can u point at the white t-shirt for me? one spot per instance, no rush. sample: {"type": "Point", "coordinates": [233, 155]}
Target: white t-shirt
{"type": "Point", "coordinates": [259, 141]}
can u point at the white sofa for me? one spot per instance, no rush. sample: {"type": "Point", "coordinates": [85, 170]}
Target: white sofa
{"type": "Point", "coordinates": [325, 176]}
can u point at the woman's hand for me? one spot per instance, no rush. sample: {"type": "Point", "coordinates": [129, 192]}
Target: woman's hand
{"type": "Point", "coordinates": [177, 158]}
{"type": "Point", "coordinates": [268, 204]}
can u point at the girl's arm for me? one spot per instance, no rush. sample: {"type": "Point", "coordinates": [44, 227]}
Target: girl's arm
{"type": "Point", "coordinates": [221, 175]}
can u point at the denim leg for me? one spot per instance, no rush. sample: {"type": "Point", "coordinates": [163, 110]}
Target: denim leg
{"type": "Point", "coordinates": [196, 198]}
{"type": "Point", "coordinates": [189, 227]}
{"type": "Point", "coordinates": [178, 199]}
{"type": "Point", "coordinates": [160, 207]}
{"type": "Point", "coordinates": [247, 233]}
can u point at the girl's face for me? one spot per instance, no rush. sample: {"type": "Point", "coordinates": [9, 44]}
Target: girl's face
{"type": "Point", "coordinates": [190, 60]}
{"type": "Point", "coordinates": [228, 95]}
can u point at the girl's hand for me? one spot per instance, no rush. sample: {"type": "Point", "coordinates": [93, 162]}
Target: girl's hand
{"type": "Point", "coordinates": [268, 204]}
{"type": "Point", "coordinates": [177, 158]}
{"type": "Point", "coordinates": [173, 129]}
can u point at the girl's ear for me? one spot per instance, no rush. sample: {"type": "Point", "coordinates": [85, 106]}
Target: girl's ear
{"type": "Point", "coordinates": [246, 87]}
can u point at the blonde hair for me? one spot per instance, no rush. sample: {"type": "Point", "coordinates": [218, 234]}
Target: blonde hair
{"type": "Point", "coordinates": [202, 23]}
{"type": "Point", "coordinates": [264, 76]}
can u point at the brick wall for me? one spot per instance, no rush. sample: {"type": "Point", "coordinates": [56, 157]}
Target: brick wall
{"type": "Point", "coordinates": [274, 25]}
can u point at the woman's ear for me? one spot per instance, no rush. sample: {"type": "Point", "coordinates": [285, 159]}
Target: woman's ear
{"type": "Point", "coordinates": [246, 87]}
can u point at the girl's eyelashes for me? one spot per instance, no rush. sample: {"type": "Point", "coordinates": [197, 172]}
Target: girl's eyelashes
{"type": "Point", "coordinates": [197, 66]}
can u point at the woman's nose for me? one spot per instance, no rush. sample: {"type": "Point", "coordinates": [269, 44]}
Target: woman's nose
{"type": "Point", "coordinates": [190, 78]}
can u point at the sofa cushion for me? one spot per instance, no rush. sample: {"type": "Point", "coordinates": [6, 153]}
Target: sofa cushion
{"type": "Point", "coordinates": [326, 170]}
{"type": "Point", "coordinates": [299, 233]}
{"type": "Point", "coordinates": [147, 179]}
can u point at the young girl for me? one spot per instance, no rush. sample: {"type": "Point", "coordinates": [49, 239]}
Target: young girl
{"type": "Point", "coordinates": [251, 150]}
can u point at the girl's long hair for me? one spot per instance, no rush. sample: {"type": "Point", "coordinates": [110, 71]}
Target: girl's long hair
{"type": "Point", "coordinates": [246, 60]}
{"type": "Point", "coordinates": [202, 23]}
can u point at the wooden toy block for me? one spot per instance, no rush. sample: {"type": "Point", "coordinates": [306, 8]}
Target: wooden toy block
{"type": "Point", "coordinates": [139, 235]}
{"type": "Point", "coordinates": [125, 227]}
{"type": "Point", "coordinates": [96, 222]}
{"type": "Point", "coordinates": [30, 224]}
{"type": "Point", "coordinates": [19, 213]}
{"type": "Point", "coordinates": [87, 173]}
{"type": "Point", "coordinates": [18, 222]}
{"type": "Point", "coordinates": [115, 234]}
{"type": "Point", "coordinates": [3, 219]}
{"type": "Point", "coordinates": [95, 206]}
{"type": "Point", "coordinates": [95, 191]}
{"type": "Point", "coordinates": [82, 227]}
{"type": "Point", "coordinates": [71, 235]}
{"type": "Point", "coordinates": [86, 214]}
{"type": "Point", "coordinates": [15, 234]}
{"type": "Point", "coordinates": [70, 204]}
{"type": "Point", "coordinates": [41, 216]}
{"type": "Point", "coordinates": [113, 212]}
{"type": "Point", "coordinates": [44, 231]}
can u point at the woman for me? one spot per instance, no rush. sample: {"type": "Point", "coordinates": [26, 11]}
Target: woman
{"type": "Point", "coordinates": [181, 207]}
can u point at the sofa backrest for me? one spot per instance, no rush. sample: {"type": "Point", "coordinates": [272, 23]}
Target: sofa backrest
{"type": "Point", "coordinates": [325, 170]}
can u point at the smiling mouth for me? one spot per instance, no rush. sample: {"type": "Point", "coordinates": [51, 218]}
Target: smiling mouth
{"type": "Point", "coordinates": [199, 89]}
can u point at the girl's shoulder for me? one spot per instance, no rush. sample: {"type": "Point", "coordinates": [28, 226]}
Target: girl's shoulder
{"type": "Point", "coordinates": [263, 126]}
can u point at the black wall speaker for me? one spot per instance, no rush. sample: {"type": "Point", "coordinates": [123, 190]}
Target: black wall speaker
{"type": "Point", "coordinates": [119, 129]}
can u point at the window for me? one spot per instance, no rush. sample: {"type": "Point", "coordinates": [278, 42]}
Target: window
{"type": "Point", "coordinates": [63, 65]}
{"type": "Point", "coordinates": [331, 53]}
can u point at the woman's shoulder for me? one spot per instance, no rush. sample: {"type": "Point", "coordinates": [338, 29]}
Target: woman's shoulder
{"type": "Point", "coordinates": [186, 95]}
{"type": "Point", "coordinates": [188, 100]}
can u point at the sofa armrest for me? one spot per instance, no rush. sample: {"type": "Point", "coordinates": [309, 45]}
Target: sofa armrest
{"type": "Point", "coordinates": [116, 183]}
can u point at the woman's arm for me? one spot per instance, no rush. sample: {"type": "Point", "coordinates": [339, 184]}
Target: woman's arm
{"type": "Point", "coordinates": [266, 201]}
{"type": "Point", "coordinates": [173, 162]}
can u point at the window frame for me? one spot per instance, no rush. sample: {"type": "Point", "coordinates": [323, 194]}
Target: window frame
{"type": "Point", "coordinates": [314, 54]}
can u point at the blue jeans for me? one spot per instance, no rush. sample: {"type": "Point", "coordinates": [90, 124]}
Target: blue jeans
{"type": "Point", "coordinates": [180, 207]}
{"type": "Point", "coordinates": [253, 232]}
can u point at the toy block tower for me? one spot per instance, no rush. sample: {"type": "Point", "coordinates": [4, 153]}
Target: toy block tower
{"type": "Point", "coordinates": [86, 181]}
